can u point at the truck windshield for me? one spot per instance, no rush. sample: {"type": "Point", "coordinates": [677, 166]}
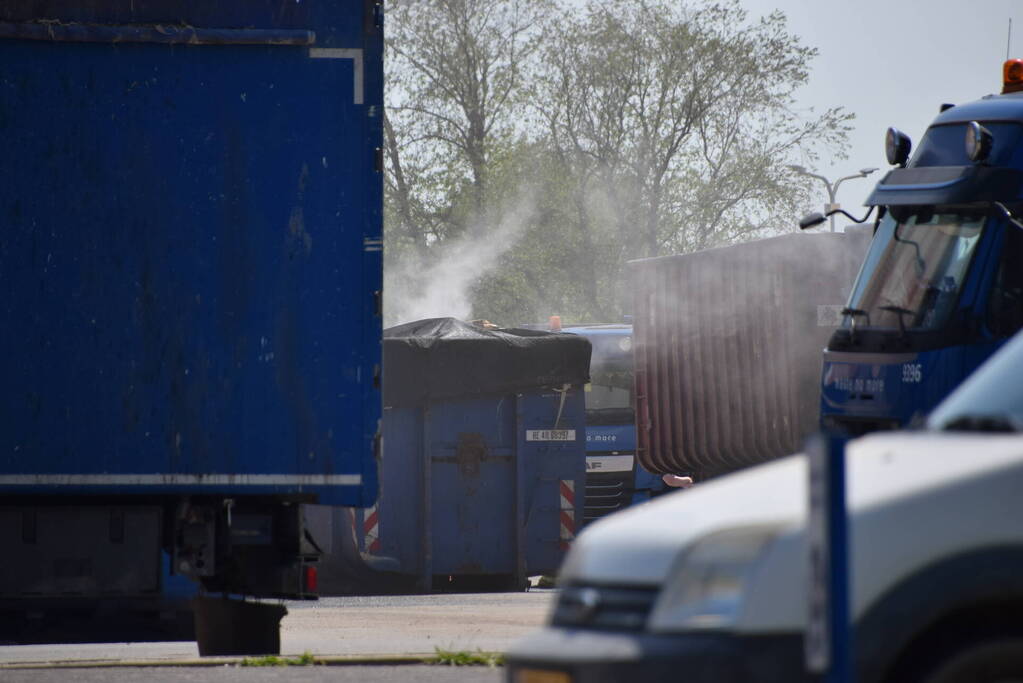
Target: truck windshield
{"type": "Point", "coordinates": [609, 394]}
{"type": "Point", "coordinates": [915, 269]}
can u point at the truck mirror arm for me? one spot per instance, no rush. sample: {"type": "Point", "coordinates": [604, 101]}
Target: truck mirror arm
{"type": "Point", "coordinates": [851, 217]}
{"type": "Point", "coordinates": [852, 313]}
{"type": "Point", "coordinates": [812, 220]}
{"type": "Point", "coordinates": [899, 311]}
{"type": "Point", "coordinates": [921, 265]}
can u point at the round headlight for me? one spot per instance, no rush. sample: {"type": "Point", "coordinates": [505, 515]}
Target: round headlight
{"type": "Point", "coordinates": [707, 586]}
{"type": "Point", "coordinates": [978, 142]}
{"type": "Point", "coordinates": [897, 146]}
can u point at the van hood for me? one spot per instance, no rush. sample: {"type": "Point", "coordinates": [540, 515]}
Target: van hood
{"type": "Point", "coordinates": [889, 473]}
{"type": "Point", "coordinates": [639, 545]}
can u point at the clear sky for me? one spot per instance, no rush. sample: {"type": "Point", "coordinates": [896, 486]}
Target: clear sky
{"type": "Point", "coordinates": [892, 63]}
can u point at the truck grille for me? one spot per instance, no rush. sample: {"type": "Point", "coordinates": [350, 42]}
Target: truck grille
{"type": "Point", "coordinates": [605, 493]}
{"type": "Point", "coordinates": [600, 607]}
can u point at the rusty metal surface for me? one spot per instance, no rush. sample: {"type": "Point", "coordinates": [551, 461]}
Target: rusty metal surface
{"type": "Point", "coordinates": [728, 346]}
{"type": "Point", "coordinates": [358, 17]}
{"type": "Point", "coordinates": [165, 34]}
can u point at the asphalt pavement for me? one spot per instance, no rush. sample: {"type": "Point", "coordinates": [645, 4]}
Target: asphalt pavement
{"type": "Point", "coordinates": [343, 631]}
{"type": "Point", "coordinates": [413, 624]}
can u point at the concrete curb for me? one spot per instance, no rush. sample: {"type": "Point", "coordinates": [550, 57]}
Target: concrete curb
{"type": "Point", "coordinates": [209, 662]}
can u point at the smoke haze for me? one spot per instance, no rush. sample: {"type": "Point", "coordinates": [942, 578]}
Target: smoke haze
{"type": "Point", "coordinates": [415, 290]}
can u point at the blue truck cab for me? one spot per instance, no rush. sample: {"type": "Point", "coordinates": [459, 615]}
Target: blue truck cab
{"type": "Point", "coordinates": [941, 287]}
{"type": "Point", "coordinates": [614, 477]}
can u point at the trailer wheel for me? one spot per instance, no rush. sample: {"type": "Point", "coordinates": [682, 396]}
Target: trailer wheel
{"type": "Point", "coordinates": [996, 660]}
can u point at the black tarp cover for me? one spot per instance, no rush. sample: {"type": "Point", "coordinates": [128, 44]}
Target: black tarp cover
{"type": "Point", "coordinates": [448, 358]}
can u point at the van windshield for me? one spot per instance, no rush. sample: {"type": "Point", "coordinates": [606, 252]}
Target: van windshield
{"type": "Point", "coordinates": [915, 269]}
{"type": "Point", "coordinates": [990, 400]}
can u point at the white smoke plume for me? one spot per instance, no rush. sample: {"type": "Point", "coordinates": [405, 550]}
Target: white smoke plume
{"type": "Point", "coordinates": [443, 288]}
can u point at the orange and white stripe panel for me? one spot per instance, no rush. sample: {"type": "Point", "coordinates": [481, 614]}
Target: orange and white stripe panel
{"type": "Point", "coordinates": [371, 530]}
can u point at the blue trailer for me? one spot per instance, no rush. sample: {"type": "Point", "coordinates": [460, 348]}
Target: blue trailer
{"type": "Point", "coordinates": [941, 288]}
{"type": "Point", "coordinates": [614, 477]}
{"type": "Point", "coordinates": [191, 201]}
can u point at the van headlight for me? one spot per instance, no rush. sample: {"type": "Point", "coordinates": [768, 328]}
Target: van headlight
{"type": "Point", "coordinates": [706, 587]}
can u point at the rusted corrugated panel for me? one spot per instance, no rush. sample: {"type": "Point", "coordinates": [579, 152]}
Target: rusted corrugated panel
{"type": "Point", "coordinates": [728, 344]}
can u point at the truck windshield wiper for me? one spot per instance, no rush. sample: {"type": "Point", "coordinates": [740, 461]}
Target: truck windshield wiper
{"type": "Point", "coordinates": [899, 311]}
{"type": "Point", "coordinates": [982, 423]}
{"type": "Point", "coordinates": [853, 313]}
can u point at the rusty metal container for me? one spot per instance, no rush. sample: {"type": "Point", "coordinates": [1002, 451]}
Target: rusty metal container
{"type": "Point", "coordinates": [728, 348]}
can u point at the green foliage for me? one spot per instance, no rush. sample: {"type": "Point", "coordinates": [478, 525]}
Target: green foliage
{"type": "Point", "coordinates": [305, 659]}
{"type": "Point", "coordinates": [535, 148]}
{"type": "Point", "coordinates": [464, 658]}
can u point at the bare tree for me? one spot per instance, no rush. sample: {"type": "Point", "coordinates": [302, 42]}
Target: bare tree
{"type": "Point", "coordinates": [642, 127]}
{"type": "Point", "coordinates": [685, 115]}
{"type": "Point", "coordinates": [455, 76]}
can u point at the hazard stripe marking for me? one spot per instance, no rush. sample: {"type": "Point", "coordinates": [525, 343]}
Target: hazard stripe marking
{"type": "Point", "coordinates": [568, 492]}
{"type": "Point", "coordinates": [371, 530]}
{"type": "Point", "coordinates": [567, 516]}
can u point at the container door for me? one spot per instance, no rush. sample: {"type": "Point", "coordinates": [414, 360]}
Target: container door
{"type": "Point", "coordinates": [471, 507]}
{"type": "Point", "coordinates": [551, 462]}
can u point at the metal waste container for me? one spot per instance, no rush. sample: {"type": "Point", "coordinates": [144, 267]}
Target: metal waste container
{"type": "Point", "coordinates": [483, 453]}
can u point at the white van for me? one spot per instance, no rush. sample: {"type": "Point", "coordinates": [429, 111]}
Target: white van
{"type": "Point", "coordinates": [710, 584]}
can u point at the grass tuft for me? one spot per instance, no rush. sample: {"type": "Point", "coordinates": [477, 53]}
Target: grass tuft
{"type": "Point", "coordinates": [463, 658]}
{"type": "Point", "coordinates": [305, 659]}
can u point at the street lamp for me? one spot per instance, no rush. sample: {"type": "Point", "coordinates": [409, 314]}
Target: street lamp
{"type": "Point", "coordinates": [832, 189]}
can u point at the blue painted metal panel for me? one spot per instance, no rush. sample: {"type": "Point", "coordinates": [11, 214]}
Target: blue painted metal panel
{"type": "Point", "coordinates": [472, 459]}
{"type": "Point", "coordinates": [465, 492]}
{"type": "Point", "coordinates": [608, 438]}
{"type": "Point", "coordinates": [552, 478]}
{"type": "Point", "coordinates": [399, 526]}
{"type": "Point", "coordinates": [896, 388]}
{"type": "Point", "coordinates": [191, 250]}
{"type": "Point", "coordinates": [648, 485]}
